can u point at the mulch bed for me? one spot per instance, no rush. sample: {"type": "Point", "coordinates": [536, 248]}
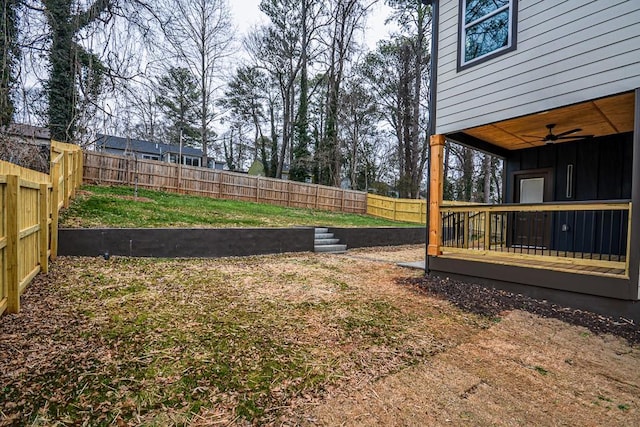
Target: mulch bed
{"type": "Point", "coordinates": [492, 302]}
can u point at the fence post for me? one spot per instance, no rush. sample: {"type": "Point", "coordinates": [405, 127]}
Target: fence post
{"type": "Point", "coordinates": [55, 197]}
{"type": "Point", "coordinates": [66, 172]}
{"type": "Point", "coordinates": [74, 174]}
{"type": "Point", "coordinates": [80, 154]}
{"type": "Point", "coordinates": [258, 189]}
{"type": "Point", "coordinates": [44, 228]}
{"type": "Point", "coordinates": [13, 242]}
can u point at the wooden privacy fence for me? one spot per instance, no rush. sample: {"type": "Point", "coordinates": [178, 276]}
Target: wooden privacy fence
{"type": "Point", "coordinates": [29, 219]}
{"type": "Point", "coordinates": [107, 169]}
{"type": "Point", "coordinates": [407, 210]}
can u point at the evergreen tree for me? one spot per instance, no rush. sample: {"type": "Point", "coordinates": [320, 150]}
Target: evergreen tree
{"type": "Point", "coordinates": [178, 96]}
{"type": "Point", "coordinates": [69, 62]}
{"type": "Point", "coordinates": [9, 55]}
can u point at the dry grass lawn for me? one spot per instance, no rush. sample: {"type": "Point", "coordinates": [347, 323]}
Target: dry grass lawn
{"type": "Point", "coordinates": [300, 339]}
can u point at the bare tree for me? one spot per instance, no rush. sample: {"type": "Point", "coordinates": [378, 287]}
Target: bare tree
{"type": "Point", "coordinates": [346, 17]}
{"type": "Point", "coordinates": [201, 34]}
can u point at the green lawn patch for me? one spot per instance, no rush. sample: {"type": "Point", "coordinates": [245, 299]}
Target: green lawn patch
{"type": "Point", "coordinates": [120, 207]}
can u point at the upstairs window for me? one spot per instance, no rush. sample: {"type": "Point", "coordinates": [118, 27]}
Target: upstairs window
{"type": "Point", "coordinates": [487, 29]}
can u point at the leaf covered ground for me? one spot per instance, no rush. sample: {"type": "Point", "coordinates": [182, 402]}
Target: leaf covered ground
{"type": "Point", "coordinates": [290, 340]}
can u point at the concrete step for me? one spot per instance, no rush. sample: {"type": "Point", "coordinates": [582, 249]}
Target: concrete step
{"type": "Point", "coordinates": [326, 243]}
{"type": "Point", "coordinates": [324, 236]}
{"type": "Point", "coordinates": [319, 242]}
{"type": "Point", "coordinates": [334, 249]}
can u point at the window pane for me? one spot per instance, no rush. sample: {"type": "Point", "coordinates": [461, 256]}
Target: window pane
{"type": "Point", "coordinates": [476, 9]}
{"type": "Point", "coordinates": [487, 36]}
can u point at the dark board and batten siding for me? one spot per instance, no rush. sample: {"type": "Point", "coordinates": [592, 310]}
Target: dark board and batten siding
{"type": "Point", "coordinates": [602, 169]}
{"type": "Point", "coordinates": [568, 52]}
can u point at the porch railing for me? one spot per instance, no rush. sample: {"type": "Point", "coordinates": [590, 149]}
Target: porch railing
{"type": "Point", "coordinates": [593, 234]}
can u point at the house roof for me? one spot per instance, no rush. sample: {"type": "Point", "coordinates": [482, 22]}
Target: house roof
{"type": "Point", "coordinates": [27, 131]}
{"type": "Point", "coordinates": [141, 146]}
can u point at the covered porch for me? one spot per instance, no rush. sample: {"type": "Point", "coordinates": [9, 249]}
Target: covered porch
{"type": "Point", "coordinates": [568, 222]}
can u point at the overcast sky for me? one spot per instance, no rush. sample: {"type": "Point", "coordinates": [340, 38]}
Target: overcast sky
{"type": "Point", "coordinates": [247, 15]}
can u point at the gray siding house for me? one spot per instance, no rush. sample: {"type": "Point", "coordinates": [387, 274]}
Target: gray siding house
{"type": "Point", "coordinates": [152, 151]}
{"type": "Point", "coordinates": [552, 87]}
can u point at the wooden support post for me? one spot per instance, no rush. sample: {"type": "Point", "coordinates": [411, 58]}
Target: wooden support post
{"type": "Point", "coordinates": [436, 188]}
{"type": "Point", "coordinates": [44, 227]}
{"type": "Point", "coordinates": [13, 241]}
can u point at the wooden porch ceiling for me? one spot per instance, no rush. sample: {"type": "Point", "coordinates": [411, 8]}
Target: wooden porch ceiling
{"type": "Point", "coordinates": [599, 117]}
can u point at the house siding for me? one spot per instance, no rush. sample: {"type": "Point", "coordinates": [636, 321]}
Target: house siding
{"type": "Point", "coordinates": [568, 52]}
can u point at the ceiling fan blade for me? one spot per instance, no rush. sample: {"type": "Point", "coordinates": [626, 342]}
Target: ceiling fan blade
{"type": "Point", "coordinates": [569, 132]}
{"type": "Point", "coordinates": [532, 136]}
{"type": "Point", "coordinates": [576, 137]}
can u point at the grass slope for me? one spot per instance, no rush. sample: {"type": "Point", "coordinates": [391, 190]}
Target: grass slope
{"type": "Point", "coordinates": [117, 207]}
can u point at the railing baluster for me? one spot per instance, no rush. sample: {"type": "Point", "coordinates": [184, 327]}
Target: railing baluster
{"type": "Point", "coordinates": [621, 235]}
{"type": "Point", "coordinates": [611, 236]}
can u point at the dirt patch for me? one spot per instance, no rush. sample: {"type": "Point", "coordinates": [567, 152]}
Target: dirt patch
{"type": "Point", "coordinates": [524, 370]}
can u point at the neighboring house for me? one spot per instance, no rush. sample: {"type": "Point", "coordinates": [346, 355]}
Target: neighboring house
{"type": "Point", "coordinates": [554, 89]}
{"type": "Point", "coordinates": [152, 151]}
{"type": "Point", "coordinates": [34, 135]}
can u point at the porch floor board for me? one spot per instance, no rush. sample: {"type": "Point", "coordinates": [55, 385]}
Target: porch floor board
{"type": "Point", "coordinates": [575, 267]}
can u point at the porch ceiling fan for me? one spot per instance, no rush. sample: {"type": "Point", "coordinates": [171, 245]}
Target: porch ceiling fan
{"type": "Point", "coordinates": [550, 138]}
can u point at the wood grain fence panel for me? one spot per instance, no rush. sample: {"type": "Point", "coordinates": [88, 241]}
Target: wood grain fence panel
{"type": "Point", "coordinates": [329, 199]}
{"type": "Point", "coordinates": [407, 210]}
{"type": "Point", "coordinates": [28, 233]}
{"type": "Point", "coordinates": [303, 195]}
{"type": "Point", "coordinates": [273, 191]}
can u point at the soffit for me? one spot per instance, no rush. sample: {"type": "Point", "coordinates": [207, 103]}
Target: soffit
{"type": "Point", "coordinates": [605, 116]}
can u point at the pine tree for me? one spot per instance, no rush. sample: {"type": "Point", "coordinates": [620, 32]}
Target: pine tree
{"type": "Point", "coordinates": [179, 96]}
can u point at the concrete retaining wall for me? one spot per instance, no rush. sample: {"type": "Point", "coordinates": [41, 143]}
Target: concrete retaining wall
{"type": "Point", "coordinates": [382, 236]}
{"type": "Point", "coordinates": [219, 242]}
{"type": "Point", "coordinates": [184, 243]}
